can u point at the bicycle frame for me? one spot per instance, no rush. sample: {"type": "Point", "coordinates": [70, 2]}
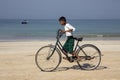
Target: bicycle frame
{"type": "Point", "coordinates": [58, 50]}
{"type": "Point", "coordinates": [60, 46]}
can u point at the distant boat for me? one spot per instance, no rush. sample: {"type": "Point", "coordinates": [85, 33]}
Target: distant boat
{"type": "Point", "coordinates": [24, 22]}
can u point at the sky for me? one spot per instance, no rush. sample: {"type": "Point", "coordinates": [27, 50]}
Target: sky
{"type": "Point", "coordinates": [52, 9]}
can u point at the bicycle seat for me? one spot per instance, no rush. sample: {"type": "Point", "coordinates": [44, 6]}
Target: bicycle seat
{"type": "Point", "coordinates": [78, 39]}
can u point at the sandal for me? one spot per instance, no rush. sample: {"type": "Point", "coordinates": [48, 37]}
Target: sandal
{"type": "Point", "coordinates": [69, 59]}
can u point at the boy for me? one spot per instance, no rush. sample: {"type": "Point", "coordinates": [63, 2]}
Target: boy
{"type": "Point", "coordinates": [69, 44]}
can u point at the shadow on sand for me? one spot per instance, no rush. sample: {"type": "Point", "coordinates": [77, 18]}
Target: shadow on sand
{"type": "Point", "coordinates": [76, 67]}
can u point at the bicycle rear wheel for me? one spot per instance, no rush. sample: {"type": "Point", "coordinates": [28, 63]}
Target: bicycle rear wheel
{"type": "Point", "coordinates": [90, 57]}
{"type": "Point", "coordinates": [45, 60]}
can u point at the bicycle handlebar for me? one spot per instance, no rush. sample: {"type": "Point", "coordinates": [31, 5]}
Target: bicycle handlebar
{"type": "Point", "coordinates": [59, 33]}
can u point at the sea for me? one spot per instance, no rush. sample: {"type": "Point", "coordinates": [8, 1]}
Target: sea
{"type": "Point", "coordinates": [45, 29]}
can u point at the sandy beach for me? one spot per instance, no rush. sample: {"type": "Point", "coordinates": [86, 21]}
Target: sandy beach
{"type": "Point", "coordinates": [17, 62]}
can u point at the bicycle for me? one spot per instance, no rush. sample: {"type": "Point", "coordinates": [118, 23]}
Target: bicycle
{"type": "Point", "coordinates": [49, 57]}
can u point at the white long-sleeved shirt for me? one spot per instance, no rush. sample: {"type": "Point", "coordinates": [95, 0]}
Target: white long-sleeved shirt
{"type": "Point", "coordinates": [67, 27]}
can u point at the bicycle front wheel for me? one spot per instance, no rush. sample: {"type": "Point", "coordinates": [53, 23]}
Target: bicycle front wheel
{"type": "Point", "coordinates": [47, 59]}
{"type": "Point", "coordinates": [90, 57]}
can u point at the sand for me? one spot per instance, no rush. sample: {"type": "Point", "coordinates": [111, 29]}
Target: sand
{"type": "Point", "coordinates": [17, 62]}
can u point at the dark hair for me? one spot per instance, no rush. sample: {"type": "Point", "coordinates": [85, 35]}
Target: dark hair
{"type": "Point", "coordinates": [62, 18]}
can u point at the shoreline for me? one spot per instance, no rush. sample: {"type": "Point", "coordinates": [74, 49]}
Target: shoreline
{"type": "Point", "coordinates": [62, 39]}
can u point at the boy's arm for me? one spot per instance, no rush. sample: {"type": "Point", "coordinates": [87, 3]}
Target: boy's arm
{"type": "Point", "coordinates": [70, 30]}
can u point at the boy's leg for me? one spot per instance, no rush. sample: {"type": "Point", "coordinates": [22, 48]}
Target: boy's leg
{"type": "Point", "coordinates": [71, 46]}
{"type": "Point", "coordinates": [75, 56]}
{"type": "Point", "coordinates": [68, 47]}
{"type": "Point", "coordinates": [65, 47]}
{"type": "Point", "coordinates": [66, 50]}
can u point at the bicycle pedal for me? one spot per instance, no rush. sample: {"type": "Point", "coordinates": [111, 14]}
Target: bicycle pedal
{"type": "Point", "coordinates": [64, 58]}
{"type": "Point", "coordinates": [68, 59]}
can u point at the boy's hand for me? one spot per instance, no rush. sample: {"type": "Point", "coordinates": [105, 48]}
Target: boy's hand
{"type": "Point", "coordinates": [63, 31]}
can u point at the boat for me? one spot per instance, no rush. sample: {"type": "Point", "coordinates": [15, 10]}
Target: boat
{"type": "Point", "coordinates": [24, 22]}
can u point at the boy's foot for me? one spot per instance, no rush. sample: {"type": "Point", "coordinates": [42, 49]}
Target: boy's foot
{"type": "Point", "coordinates": [69, 59]}
{"type": "Point", "coordinates": [72, 58]}
{"type": "Point", "coordinates": [76, 58]}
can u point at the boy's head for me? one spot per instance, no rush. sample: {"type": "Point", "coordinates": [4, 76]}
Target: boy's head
{"type": "Point", "coordinates": [62, 20]}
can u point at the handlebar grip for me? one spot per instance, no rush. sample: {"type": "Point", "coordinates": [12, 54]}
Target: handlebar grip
{"type": "Point", "coordinates": [59, 29]}
{"type": "Point", "coordinates": [59, 33]}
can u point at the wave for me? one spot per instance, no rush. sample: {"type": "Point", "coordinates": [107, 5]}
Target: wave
{"type": "Point", "coordinates": [98, 35]}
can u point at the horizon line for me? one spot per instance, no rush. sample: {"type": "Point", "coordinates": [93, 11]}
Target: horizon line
{"type": "Point", "coordinates": [55, 19]}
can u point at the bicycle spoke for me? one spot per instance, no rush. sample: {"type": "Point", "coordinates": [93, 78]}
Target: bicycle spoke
{"type": "Point", "coordinates": [90, 57]}
{"type": "Point", "coordinates": [43, 62]}
{"type": "Point", "coordinates": [94, 54]}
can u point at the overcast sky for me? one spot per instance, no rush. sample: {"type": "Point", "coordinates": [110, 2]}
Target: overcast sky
{"type": "Point", "coordinates": [52, 9]}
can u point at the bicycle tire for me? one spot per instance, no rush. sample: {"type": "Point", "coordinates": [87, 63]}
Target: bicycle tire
{"type": "Point", "coordinates": [39, 66]}
{"type": "Point", "coordinates": [84, 65]}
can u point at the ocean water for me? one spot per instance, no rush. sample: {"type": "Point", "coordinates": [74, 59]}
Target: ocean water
{"type": "Point", "coordinates": [12, 29]}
